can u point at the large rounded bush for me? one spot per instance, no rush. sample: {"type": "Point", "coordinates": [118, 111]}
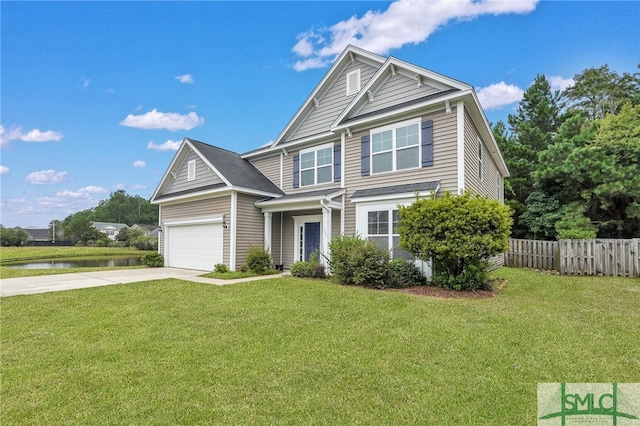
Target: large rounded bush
{"type": "Point", "coordinates": [258, 260]}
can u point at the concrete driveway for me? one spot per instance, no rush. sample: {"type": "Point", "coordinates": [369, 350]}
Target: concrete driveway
{"type": "Point", "coordinates": [48, 283]}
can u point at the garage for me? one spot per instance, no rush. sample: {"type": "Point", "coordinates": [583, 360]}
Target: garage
{"type": "Point", "coordinates": [194, 246]}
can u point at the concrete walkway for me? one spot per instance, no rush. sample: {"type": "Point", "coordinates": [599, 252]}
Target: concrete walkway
{"type": "Point", "coordinates": [49, 283]}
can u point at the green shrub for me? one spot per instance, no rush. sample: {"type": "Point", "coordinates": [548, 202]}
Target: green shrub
{"type": "Point", "coordinates": [243, 268]}
{"type": "Point", "coordinates": [344, 257]}
{"type": "Point", "coordinates": [220, 268]}
{"type": "Point", "coordinates": [318, 271]}
{"type": "Point", "coordinates": [374, 269]}
{"type": "Point", "coordinates": [309, 269]}
{"type": "Point", "coordinates": [144, 242]}
{"type": "Point", "coordinates": [474, 276]}
{"type": "Point", "coordinates": [302, 269]}
{"type": "Point", "coordinates": [258, 260]}
{"type": "Point", "coordinates": [404, 273]}
{"type": "Point", "coordinates": [458, 233]}
{"type": "Point", "coordinates": [358, 261]}
{"type": "Point", "coordinates": [153, 259]}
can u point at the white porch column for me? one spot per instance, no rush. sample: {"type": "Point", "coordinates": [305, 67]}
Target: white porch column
{"type": "Point", "coordinates": [267, 231]}
{"type": "Point", "coordinates": [326, 232]}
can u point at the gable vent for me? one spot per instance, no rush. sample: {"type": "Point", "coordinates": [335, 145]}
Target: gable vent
{"type": "Point", "coordinates": [353, 82]}
{"type": "Point", "coordinates": [191, 170]}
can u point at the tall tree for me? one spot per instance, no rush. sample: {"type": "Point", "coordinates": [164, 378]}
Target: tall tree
{"type": "Point", "coordinates": [597, 166]}
{"type": "Point", "coordinates": [600, 91]}
{"type": "Point", "coordinates": [78, 228]}
{"type": "Point", "coordinates": [532, 128]}
{"type": "Point", "coordinates": [124, 208]}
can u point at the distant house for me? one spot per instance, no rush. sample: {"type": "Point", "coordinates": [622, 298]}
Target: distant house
{"type": "Point", "coordinates": [374, 133]}
{"type": "Point", "coordinates": [40, 237]}
{"type": "Point", "coordinates": [150, 230]}
{"type": "Point", "coordinates": [36, 235]}
{"type": "Point", "coordinates": [110, 229]}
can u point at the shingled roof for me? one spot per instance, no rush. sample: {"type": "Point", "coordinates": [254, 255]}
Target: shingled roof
{"type": "Point", "coordinates": [238, 171]}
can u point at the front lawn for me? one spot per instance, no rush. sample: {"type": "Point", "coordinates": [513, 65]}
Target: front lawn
{"type": "Point", "coordinates": [294, 351]}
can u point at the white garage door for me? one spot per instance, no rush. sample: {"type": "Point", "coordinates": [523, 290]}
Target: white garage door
{"type": "Point", "coordinates": [194, 246]}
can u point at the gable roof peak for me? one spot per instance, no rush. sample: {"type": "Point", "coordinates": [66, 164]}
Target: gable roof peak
{"type": "Point", "coordinates": [350, 54]}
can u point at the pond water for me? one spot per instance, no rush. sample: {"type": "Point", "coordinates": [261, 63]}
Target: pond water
{"type": "Point", "coordinates": [86, 262]}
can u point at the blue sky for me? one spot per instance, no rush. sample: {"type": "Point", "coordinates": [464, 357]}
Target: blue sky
{"type": "Point", "coordinates": [96, 96]}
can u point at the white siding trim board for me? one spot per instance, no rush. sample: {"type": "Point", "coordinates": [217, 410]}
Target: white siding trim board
{"type": "Point", "coordinates": [460, 140]}
{"type": "Point", "coordinates": [234, 233]}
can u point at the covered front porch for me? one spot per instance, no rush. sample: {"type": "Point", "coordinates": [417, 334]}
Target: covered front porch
{"type": "Point", "coordinates": [297, 225]}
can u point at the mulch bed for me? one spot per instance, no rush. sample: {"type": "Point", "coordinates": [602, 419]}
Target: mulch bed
{"type": "Point", "coordinates": [497, 284]}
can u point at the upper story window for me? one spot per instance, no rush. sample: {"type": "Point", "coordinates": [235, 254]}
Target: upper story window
{"type": "Point", "coordinates": [353, 82]}
{"type": "Point", "coordinates": [395, 147]}
{"type": "Point", "coordinates": [316, 165]}
{"type": "Point", "coordinates": [191, 170]}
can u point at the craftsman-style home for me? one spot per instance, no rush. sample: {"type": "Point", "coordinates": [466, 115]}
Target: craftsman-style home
{"type": "Point", "coordinates": [372, 135]}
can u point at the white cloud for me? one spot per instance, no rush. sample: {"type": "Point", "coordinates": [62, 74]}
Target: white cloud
{"type": "Point", "coordinates": [163, 120]}
{"type": "Point", "coordinates": [85, 82]}
{"type": "Point", "coordinates": [46, 177]}
{"type": "Point", "coordinates": [167, 146]}
{"type": "Point", "coordinates": [4, 170]}
{"type": "Point", "coordinates": [85, 192]}
{"type": "Point", "coordinates": [139, 163]}
{"type": "Point", "coordinates": [35, 135]}
{"type": "Point", "coordinates": [498, 95]}
{"type": "Point", "coordinates": [185, 78]}
{"type": "Point", "coordinates": [404, 22]}
{"type": "Point", "coordinates": [93, 189]}
{"type": "Point", "coordinates": [136, 187]}
{"type": "Point", "coordinates": [7, 135]}
{"type": "Point", "coordinates": [559, 83]}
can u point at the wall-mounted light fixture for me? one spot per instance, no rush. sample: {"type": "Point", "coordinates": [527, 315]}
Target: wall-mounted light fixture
{"type": "Point", "coordinates": [225, 225]}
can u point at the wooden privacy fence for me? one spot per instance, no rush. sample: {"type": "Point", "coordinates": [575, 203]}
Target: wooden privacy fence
{"type": "Point", "coordinates": [577, 257]}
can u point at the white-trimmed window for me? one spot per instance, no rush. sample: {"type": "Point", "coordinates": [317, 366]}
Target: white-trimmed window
{"type": "Point", "coordinates": [353, 82]}
{"type": "Point", "coordinates": [191, 170]}
{"type": "Point", "coordinates": [316, 165]}
{"type": "Point", "coordinates": [382, 229]}
{"type": "Point", "coordinates": [395, 147]}
{"type": "Point", "coordinates": [479, 159]}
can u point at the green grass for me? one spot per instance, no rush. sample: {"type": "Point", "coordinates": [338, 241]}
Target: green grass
{"type": "Point", "coordinates": [293, 351]}
{"type": "Point", "coordinates": [234, 275]}
{"type": "Point", "coordinates": [12, 254]}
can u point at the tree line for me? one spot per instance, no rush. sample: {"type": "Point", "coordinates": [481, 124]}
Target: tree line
{"type": "Point", "coordinates": [574, 158]}
{"type": "Point", "coordinates": [118, 208]}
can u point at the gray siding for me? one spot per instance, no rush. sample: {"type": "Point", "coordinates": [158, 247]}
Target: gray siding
{"type": "Point", "coordinates": [489, 185]}
{"type": "Point", "coordinates": [249, 227]}
{"type": "Point", "coordinates": [287, 239]}
{"type": "Point", "coordinates": [195, 210]}
{"type": "Point", "coordinates": [270, 167]}
{"type": "Point", "coordinates": [204, 176]}
{"type": "Point", "coordinates": [332, 103]}
{"type": "Point", "coordinates": [397, 89]}
{"type": "Point", "coordinates": [288, 176]}
{"type": "Point", "coordinates": [444, 167]}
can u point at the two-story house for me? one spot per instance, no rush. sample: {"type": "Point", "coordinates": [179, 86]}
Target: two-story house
{"type": "Point", "coordinates": [373, 134]}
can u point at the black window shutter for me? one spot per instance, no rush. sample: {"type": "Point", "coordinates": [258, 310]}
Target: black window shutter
{"type": "Point", "coordinates": [296, 171]}
{"type": "Point", "coordinates": [365, 155]}
{"type": "Point", "coordinates": [427, 143]}
{"type": "Point", "coordinates": [337, 170]}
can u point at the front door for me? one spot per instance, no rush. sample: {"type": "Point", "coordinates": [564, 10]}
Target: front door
{"type": "Point", "coordinates": [311, 238]}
